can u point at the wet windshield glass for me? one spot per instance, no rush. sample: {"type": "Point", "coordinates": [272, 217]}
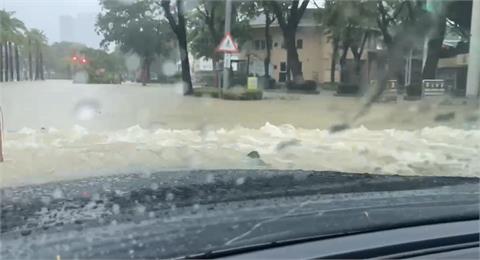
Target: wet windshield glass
{"type": "Point", "coordinates": [109, 88]}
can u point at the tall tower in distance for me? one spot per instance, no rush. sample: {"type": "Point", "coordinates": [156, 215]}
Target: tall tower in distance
{"type": "Point", "coordinates": [67, 28]}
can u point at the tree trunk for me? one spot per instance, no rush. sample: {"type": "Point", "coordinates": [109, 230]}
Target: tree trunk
{"type": "Point", "coordinates": [343, 61]}
{"type": "Point", "coordinates": [248, 65]}
{"type": "Point", "coordinates": [182, 41]}
{"type": "Point", "coordinates": [30, 69]}
{"type": "Point", "coordinates": [181, 33]}
{"type": "Point", "coordinates": [149, 76]}
{"type": "Point", "coordinates": [146, 71]}
{"type": "Point", "coordinates": [37, 58]}
{"type": "Point", "coordinates": [186, 77]}
{"type": "Point", "coordinates": [358, 68]}
{"type": "Point", "coordinates": [333, 62]}
{"type": "Point", "coordinates": [357, 52]}
{"type": "Point", "coordinates": [434, 48]}
{"type": "Point", "coordinates": [42, 75]}
{"type": "Point", "coordinates": [7, 67]}
{"type": "Point", "coordinates": [17, 62]}
{"type": "Point", "coordinates": [293, 62]}
{"type": "Point", "coordinates": [10, 60]}
{"type": "Point", "coordinates": [1, 62]}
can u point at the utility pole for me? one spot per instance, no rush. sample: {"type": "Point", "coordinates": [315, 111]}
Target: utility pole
{"type": "Point", "coordinates": [227, 56]}
{"type": "Point", "coordinates": [473, 75]}
{"type": "Point", "coordinates": [2, 126]}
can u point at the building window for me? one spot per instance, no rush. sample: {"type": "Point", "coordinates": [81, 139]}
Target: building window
{"type": "Point", "coordinates": [257, 45]}
{"type": "Point", "coordinates": [301, 67]}
{"type": "Point", "coordinates": [282, 75]}
{"type": "Point", "coordinates": [262, 45]}
{"type": "Point", "coordinates": [299, 44]}
{"type": "Point", "coordinates": [275, 44]}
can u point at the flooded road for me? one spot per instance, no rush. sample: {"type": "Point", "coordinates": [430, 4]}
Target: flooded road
{"type": "Point", "coordinates": [57, 131]}
{"type": "Point", "coordinates": [61, 104]}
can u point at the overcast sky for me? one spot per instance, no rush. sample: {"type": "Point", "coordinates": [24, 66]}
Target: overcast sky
{"type": "Point", "coordinates": [44, 14]}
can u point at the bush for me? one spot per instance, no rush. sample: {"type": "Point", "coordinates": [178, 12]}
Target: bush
{"type": "Point", "coordinates": [243, 95]}
{"type": "Point", "coordinates": [231, 94]}
{"type": "Point", "coordinates": [168, 79]}
{"type": "Point", "coordinates": [103, 79]}
{"type": "Point", "coordinates": [329, 86]}
{"type": "Point", "coordinates": [348, 89]}
{"type": "Point", "coordinates": [267, 83]}
{"type": "Point", "coordinates": [205, 91]}
{"type": "Point", "coordinates": [205, 78]}
{"type": "Point", "coordinates": [414, 90]}
{"type": "Point", "coordinates": [307, 85]}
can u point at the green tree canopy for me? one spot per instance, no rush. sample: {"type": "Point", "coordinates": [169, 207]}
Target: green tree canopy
{"type": "Point", "coordinates": [136, 27]}
{"type": "Point", "coordinates": [348, 24]}
{"type": "Point", "coordinates": [207, 25]}
{"type": "Point", "coordinates": [11, 28]}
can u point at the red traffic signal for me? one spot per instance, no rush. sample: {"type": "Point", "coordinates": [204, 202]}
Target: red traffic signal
{"type": "Point", "coordinates": [74, 58]}
{"type": "Point", "coordinates": [83, 61]}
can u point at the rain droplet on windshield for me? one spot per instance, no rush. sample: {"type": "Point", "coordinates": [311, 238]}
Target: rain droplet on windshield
{"type": "Point", "coordinates": [81, 77]}
{"type": "Point", "coordinates": [45, 200]}
{"type": "Point", "coordinates": [87, 110]}
{"type": "Point", "coordinates": [240, 181]}
{"type": "Point", "coordinates": [169, 196]}
{"type": "Point", "coordinates": [132, 62]}
{"type": "Point", "coordinates": [210, 178]}
{"type": "Point", "coordinates": [154, 186]}
{"type": "Point", "coordinates": [140, 209]}
{"type": "Point", "coordinates": [169, 68]}
{"type": "Point", "coordinates": [57, 194]}
{"type": "Point", "coordinates": [116, 209]}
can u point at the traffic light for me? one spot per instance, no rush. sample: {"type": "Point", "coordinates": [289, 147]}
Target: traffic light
{"type": "Point", "coordinates": [84, 61]}
{"type": "Point", "coordinates": [74, 58]}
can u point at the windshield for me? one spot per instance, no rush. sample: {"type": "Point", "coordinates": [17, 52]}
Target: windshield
{"type": "Point", "coordinates": [103, 89]}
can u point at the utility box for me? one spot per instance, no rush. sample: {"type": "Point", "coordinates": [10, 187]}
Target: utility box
{"type": "Point", "coordinates": [252, 83]}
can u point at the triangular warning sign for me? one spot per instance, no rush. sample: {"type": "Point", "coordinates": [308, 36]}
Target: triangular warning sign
{"type": "Point", "coordinates": [227, 44]}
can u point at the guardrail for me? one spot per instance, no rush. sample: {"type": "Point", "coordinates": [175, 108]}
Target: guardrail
{"type": "Point", "coordinates": [433, 87]}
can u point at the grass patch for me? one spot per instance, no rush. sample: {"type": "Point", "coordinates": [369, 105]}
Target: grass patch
{"type": "Point", "coordinates": [230, 94]}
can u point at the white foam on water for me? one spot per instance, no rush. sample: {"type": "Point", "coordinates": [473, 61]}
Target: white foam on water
{"type": "Point", "coordinates": [39, 156]}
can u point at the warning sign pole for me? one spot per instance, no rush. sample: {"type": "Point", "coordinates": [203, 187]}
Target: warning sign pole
{"type": "Point", "coordinates": [226, 57]}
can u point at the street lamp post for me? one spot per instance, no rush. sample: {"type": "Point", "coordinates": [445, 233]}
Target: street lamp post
{"type": "Point", "coordinates": [227, 56]}
{"type": "Point", "coordinates": [2, 125]}
{"type": "Point", "coordinates": [473, 75]}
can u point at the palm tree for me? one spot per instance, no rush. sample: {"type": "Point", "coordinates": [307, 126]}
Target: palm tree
{"type": "Point", "coordinates": [11, 34]}
{"type": "Point", "coordinates": [1, 62]}
{"type": "Point", "coordinates": [36, 39]}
